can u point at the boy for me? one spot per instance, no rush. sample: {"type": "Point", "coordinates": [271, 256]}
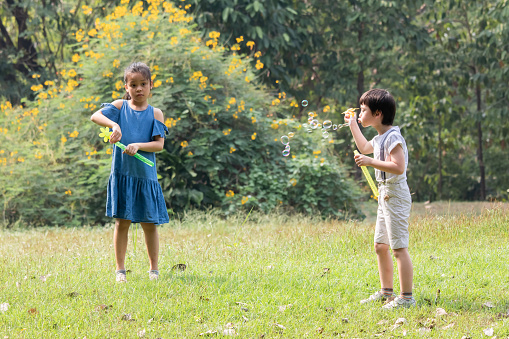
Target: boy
{"type": "Point", "coordinates": [394, 202]}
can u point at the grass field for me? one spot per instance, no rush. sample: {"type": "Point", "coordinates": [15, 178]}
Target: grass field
{"type": "Point", "coordinates": [270, 277]}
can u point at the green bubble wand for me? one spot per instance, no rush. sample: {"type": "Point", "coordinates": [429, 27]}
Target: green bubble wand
{"type": "Point", "coordinates": [369, 179]}
{"type": "Point", "coordinates": [106, 134]}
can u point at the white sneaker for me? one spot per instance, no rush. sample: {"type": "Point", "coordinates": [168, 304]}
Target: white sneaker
{"type": "Point", "coordinates": [399, 303]}
{"type": "Point", "coordinates": [153, 275]}
{"type": "Point", "coordinates": [377, 296]}
{"type": "Point", "coordinates": [120, 276]}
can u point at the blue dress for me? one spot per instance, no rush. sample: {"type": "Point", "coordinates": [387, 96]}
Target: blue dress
{"type": "Point", "coordinates": [133, 190]}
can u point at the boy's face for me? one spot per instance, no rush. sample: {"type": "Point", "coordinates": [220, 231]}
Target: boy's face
{"type": "Point", "coordinates": [366, 117]}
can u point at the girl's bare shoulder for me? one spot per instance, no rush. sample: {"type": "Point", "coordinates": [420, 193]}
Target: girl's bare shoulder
{"type": "Point", "coordinates": [158, 114]}
{"type": "Point", "coordinates": [118, 103]}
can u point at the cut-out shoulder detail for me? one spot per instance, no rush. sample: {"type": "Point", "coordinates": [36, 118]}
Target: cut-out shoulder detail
{"type": "Point", "coordinates": [158, 115]}
{"type": "Point", "coordinates": [118, 103]}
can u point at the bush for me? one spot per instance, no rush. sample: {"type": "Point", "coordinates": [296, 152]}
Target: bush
{"type": "Point", "coordinates": [222, 149]}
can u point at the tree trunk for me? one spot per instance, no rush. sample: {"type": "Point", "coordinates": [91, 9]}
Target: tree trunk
{"type": "Point", "coordinates": [439, 186]}
{"type": "Point", "coordinates": [479, 146]}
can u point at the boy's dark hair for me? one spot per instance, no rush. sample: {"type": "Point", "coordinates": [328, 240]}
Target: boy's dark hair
{"type": "Point", "coordinates": [380, 100]}
{"type": "Point", "coordinates": [136, 67]}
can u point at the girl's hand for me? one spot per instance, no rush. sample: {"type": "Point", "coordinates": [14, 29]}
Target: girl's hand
{"type": "Point", "coordinates": [116, 135]}
{"type": "Point", "coordinates": [362, 160]}
{"type": "Point", "coordinates": [131, 149]}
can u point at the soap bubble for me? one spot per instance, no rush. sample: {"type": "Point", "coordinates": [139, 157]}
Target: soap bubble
{"type": "Point", "coordinates": [287, 148]}
{"type": "Point", "coordinates": [304, 103]}
{"type": "Point", "coordinates": [327, 124]}
{"type": "Point", "coordinates": [291, 134]}
{"type": "Point", "coordinates": [335, 127]}
{"type": "Point", "coordinates": [286, 153]}
{"type": "Point", "coordinates": [325, 135]}
{"type": "Point", "coordinates": [314, 124]}
{"type": "Point", "coordinates": [285, 140]}
{"type": "Point", "coordinates": [311, 114]}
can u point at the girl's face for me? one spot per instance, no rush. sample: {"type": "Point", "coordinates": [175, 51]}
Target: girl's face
{"type": "Point", "coordinates": [366, 117]}
{"type": "Point", "coordinates": [138, 87]}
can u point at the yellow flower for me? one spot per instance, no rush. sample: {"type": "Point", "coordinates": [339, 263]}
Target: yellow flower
{"type": "Point", "coordinates": [109, 151]}
{"type": "Point", "coordinates": [230, 194]}
{"type": "Point", "coordinates": [86, 10]}
{"type": "Point", "coordinates": [105, 133]}
{"type": "Point", "coordinates": [63, 139]}
{"type": "Point", "coordinates": [293, 182]}
{"type": "Point", "coordinates": [232, 101]}
{"type": "Point", "coordinates": [190, 153]}
{"type": "Point", "coordinates": [240, 39]}
{"type": "Point", "coordinates": [71, 73]}
{"type": "Point", "coordinates": [259, 65]}
{"type": "Point", "coordinates": [232, 149]}
{"type": "Point", "coordinates": [326, 109]}
{"type": "Point", "coordinates": [184, 144]}
{"type": "Point", "coordinates": [76, 57]}
{"type": "Point", "coordinates": [250, 44]}
{"type": "Point", "coordinates": [34, 76]}
{"type": "Point", "coordinates": [244, 200]}
{"type": "Point", "coordinates": [74, 134]}
{"type": "Point", "coordinates": [317, 152]}
{"type": "Point", "coordinates": [92, 32]}
{"type": "Point", "coordinates": [157, 83]}
{"type": "Point", "coordinates": [258, 54]}
{"type": "Point", "coordinates": [119, 85]}
{"type": "Point", "coordinates": [68, 192]}
{"type": "Point", "coordinates": [253, 137]}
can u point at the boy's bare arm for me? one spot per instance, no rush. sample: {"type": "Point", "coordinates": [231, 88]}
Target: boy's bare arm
{"type": "Point", "coordinates": [362, 143]}
{"type": "Point", "coordinates": [394, 164]}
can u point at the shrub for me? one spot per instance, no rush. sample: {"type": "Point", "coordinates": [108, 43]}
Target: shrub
{"type": "Point", "coordinates": [222, 149]}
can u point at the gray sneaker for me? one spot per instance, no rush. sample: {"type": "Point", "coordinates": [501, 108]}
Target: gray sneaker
{"type": "Point", "coordinates": [399, 303]}
{"type": "Point", "coordinates": [377, 296]}
{"type": "Point", "coordinates": [120, 276]}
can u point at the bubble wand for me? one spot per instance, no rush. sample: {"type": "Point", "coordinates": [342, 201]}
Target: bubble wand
{"type": "Point", "coordinates": [106, 134]}
{"type": "Point", "coordinates": [369, 179]}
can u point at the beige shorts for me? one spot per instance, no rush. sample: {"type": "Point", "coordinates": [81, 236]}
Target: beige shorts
{"type": "Point", "coordinates": [394, 204]}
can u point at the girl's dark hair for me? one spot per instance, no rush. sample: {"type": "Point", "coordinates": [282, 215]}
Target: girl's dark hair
{"type": "Point", "coordinates": [380, 100]}
{"type": "Point", "coordinates": [136, 67]}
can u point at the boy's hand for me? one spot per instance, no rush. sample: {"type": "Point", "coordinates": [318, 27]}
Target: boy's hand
{"type": "Point", "coordinates": [131, 149]}
{"type": "Point", "coordinates": [349, 116]}
{"type": "Point", "coordinates": [116, 135]}
{"type": "Point", "coordinates": [362, 160]}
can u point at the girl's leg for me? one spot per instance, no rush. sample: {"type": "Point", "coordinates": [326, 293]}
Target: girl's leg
{"type": "Point", "coordinates": [405, 270]}
{"type": "Point", "coordinates": [120, 241]}
{"type": "Point", "coordinates": [152, 242]}
{"type": "Point", "coordinates": [385, 265]}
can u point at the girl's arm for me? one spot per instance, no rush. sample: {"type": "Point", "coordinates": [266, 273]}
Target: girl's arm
{"type": "Point", "coordinates": [362, 143]}
{"type": "Point", "coordinates": [394, 164]}
{"type": "Point", "coordinates": [151, 146]}
{"type": "Point", "coordinates": [101, 120]}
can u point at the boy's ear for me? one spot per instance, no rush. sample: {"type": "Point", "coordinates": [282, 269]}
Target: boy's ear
{"type": "Point", "coordinates": [377, 113]}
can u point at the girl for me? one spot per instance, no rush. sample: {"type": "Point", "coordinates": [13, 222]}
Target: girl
{"type": "Point", "coordinates": [134, 194]}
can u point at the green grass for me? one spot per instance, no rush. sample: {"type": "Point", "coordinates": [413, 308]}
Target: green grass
{"type": "Point", "coordinates": [247, 275]}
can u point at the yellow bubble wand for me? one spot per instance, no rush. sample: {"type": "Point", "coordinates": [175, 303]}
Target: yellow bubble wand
{"type": "Point", "coordinates": [106, 134]}
{"type": "Point", "coordinates": [368, 178]}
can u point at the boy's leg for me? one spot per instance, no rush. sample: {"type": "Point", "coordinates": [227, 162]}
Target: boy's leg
{"type": "Point", "coordinates": [120, 241]}
{"type": "Point", "coordinates": [152, 242]}
{"type": "Point", "coordinates": [385, 266]}
{"type": "Point", "coordinates": [405, 270]}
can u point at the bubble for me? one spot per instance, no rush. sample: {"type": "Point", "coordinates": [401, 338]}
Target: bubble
{"type": "Point", "coordinates": [325, 135]}
{"type": "Point", "coordinates": [304, 103]}
{"type": "Point", "coordinates": [334, 127]}
{"type": "Point", "coordinates": [286, 153]}
{"type": "Point", "coordinates": [291, 134]}
{"type": "Point", "coordinates": [285, 140]}
{"type": "Point", "coordinates": [327, 124]}
{"type": "Point", "coordinates": [314, 124]}
{"type": "Point", "coordinates": [311, 114]}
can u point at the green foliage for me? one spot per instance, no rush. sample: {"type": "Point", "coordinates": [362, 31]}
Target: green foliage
{"type": "Point", "coordinates": [222, 149]}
